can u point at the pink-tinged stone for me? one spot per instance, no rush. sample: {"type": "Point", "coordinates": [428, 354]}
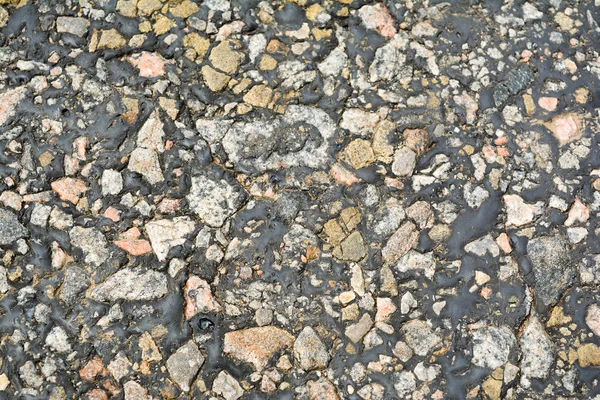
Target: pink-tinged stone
{"type": "Point", "coordinates": [503, 241]}
{"type": "Point", "coordinates": [113, 214]}
{"type": "Point", "coordinates": [151, 65]}
{"type": "Point", "coordinates": [592, 319]}
{"type": "Point", "coordinates": [131, 243]}
{"type": "Point", "coordinates": [378, 18]}
{"type": "Point", "coordinates": [92, 369]}
{"type": "Point", "coordinates": [566, 127]}
{"type": "Point", "coordinates": [579, 212]}
{"type": "Point", "coordinates": [80, 145]}
{"type": "Point", "coordinates": [96, 394]}
{"type": "Point", "coordinates": [321, 390]}
{"type": "Point", "coordinates": [69, 189]}
{"type": "Point", "coordinates": [385, 309]}
{"type": "Point", "coordinates": [199, 298]}
{"type": "Point", "coordinates": [342, 175]}
{"type": "Point", "coordinates": [169, 206]}
{"type": "Point", "coordinates": [135, 391]}
{"type": "Point", "coordinates": [519, 213]}
{"type": "Point", "coordinates": [135, 247]}
{"type": "Point", "coordinates": [548, 103]}
{"type": "Point", "coordinates": [257, 346]}
{"type": "Point", "coordinates": [9, 101]}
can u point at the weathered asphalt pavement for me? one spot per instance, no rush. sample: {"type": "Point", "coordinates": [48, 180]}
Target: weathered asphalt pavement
{"type": "Point", "coordinates": [300, 199]}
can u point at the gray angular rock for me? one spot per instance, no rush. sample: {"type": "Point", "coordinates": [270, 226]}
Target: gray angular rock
{"type": "Point", "coordinates": [214, 200]}
{"type": "Point", "coordinates": [260, 146]}
{"type": "Point", "coordinates": [420, 337]}
{"type": "Point", "coordinates": [404, 162]}
{"type": "Point", "coordinates": [357, 331]}
{"type": "Point", "coordinates": [184, 364]}
{"type": "Point", "coordinates": [10, 228]}
{"type": "Point", "coordinates": [309, 350]}
{"type": "Point", "coordinates": [404, 383]}
{"type": "Point", "coordinates": [75, 281]}
{"type": "Point", "coordinates": [165, 234]}
{"type": "Point", "coordinates": [492, 346]}
{"type": "Point", "coordinates": [537, 350]}
{"type": "Point", "coordinates": [73, 25]}
{"type": "Point", "coordinates": [92, 242]}
{"type": "Point", "coordinates": [552, 269]}
{"type": "Point", "coordinates": [131, 284]}
{"type": "Point", "coordinates": [58, 341]}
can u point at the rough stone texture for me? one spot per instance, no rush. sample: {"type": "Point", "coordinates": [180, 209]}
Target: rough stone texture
{"type": "Point", "coordinates": [256, 345]}
{"type": "Point", "coordinates": [537, 350]}
{"type": "Point", "coordinates": [183, 365]}
{"type": "Point", "coordinates": [214, 200]}
{"type": "Point", "coordinates": [226, 386]}
{"type": "Point", "coordinates": [10, 228]}
{"type": "Point", "coordinates": [131, 284]}
{"type": "Point", "coordinates": [492, 346]}
{"type": "Point", "coordinates": [420, 337]}
{"type": "Point", "coordinates": [309, 350]}
{"type": "Point", "coordinates": [553, 270]}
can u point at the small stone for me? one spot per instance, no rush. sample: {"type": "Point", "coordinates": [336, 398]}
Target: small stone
{"type": "Point", "coordinates": [377, 17]}
{"type": "Point", "coordinates": [92, 369]}
{"type": "Point", "coordinates": [120, 366]}
{"type": "Point", "coordinates": [92, 242]}
{"type": "Point", "coordinates": [321, 389]}
{"type": "Point", "coordinates": [481, 247]}
{"type": "Point", "coordinates": [492, 346]}
{"type": "Point", "coordinates": [415, 262]}
{"type": "Point", "coordinates": [503, 242]}
{"type": "Point", "coordinates": [76, 280]}
{"type": "Point", "coordinates": [579, 212]}
{"type": "Point", "coordinates": [537, 350]}
{"type": "Point", "coordinates": [199, 298]}
{"type": "Point", "coordinates": [145, 162]}
{"type": "Point", "coordinates": [111, 39]}
{"type": "Point", "coordinates": [405, 161]}
{"type": "Point", "coordinates": [385, 309]}
{"type": "Point", "coordinates": [225, 58]}
{"type": "Point", "coordinates": [359, 122]}
{"type": "Point", "coordinates": [548, 103]}
{"type": "Point", "coordinates": [259, 96]}
{"type": "Point", "coordinates": [165, 234]}
{"type": "Point", "coordinates": [4, 382]}
{"type": "Point", "coordinates": [420, 337]}
{"type": "Point", "coordinates": [518, 212]}
{"type": "Point", "coordinates": [198, 43]}
{"type": "Point", "coordinates": [69, 189]}
{"type": "Point", "coordinates": [357, 331]}
{"type": "Point", "coordinates": [405, 238]}
{"type": "Point", "coordinates": [402, 351]}
{"type": "Point", "coordinates": [214, 201]}
{"type": "Point", "coordinates": [589, 355]}
{"type": "Point", "coordinates": [9, 101]}
{"type": "Point", "coordinates": [552, 268]}
{"type": "Point", "coordinates": [131, 284]}
{"type": "Point", "coordinates": [215, 80]}
{"type": "Point", "coordinates": [309, 350]}
{"type": "Point", "coordinates": [112, 182]}
{"type": "Point", "coordinates": [566, 127]}
{"type": "Point", "coordinates": [58, 341]}
{"type": "Point", "coordinates": [73, 25]}
{"type": "Point", "coordinates": [227, 386]}
{"type": "Point", "coordinates": [333, 64]}
{"type": "Point", "coordinates": [151, 65]}
{"type": "Point", "coordinates": [359, 154]}
{"type": "Point", "coordinates": [352, 248]}
{"type": "Point", "coordinates": [134, 391]}
{"type": "Point", "coordinates": [10, 228]}
{"type": "Point", "coordinates": [492, 387]}
{"type": "Point", "coordinates": [184, 9]}
{"type": "Point", "coordinates": [417, 140]}
{"type": "Point", "coordinates": [184, 364]}
{"type": "Point", "coordinates": [256, 345]}
{"type": "Point", "coordinates": [530, 13]}
{"type": "Point", "coordinates": [404, 383]}
{"type": "Point", "coordinates": [592, 318]}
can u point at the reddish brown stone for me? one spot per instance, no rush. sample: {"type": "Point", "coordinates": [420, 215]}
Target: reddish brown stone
{"type": "Point", "coordinates": [69, 189]}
